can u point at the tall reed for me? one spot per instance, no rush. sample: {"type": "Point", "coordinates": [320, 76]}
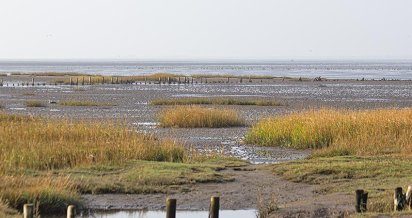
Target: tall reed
{"type": "Point", "coordinates": [338, 132]}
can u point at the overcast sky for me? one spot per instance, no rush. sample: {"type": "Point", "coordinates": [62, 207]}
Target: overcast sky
{"type": "Point", "coordinates": [206, 29]}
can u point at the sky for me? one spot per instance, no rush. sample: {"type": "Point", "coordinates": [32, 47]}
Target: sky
{"type": "Point", "coordinates": [205, 29]}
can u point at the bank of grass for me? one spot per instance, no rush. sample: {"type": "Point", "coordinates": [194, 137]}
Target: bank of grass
{"type": "Point", "coordinates": [52, 162]}
{"type": "Point", "coordinates": [217, 101]}
{"type": "Point", "coordinates": [83, 104]}
{"type": "Point", "coordinates": [199, 117]}
{"type": "Point", "coordinates": [34, 103]}
{"type": "Point", "coordinates": [339, 132]}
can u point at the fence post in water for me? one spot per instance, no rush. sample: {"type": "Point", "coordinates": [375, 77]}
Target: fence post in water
{"type": "Point", "coordinates": [71, 82]}
{"type": "Point", "coordinates": [111, 80]}
{"type": "Point", "coordinates": [83, 81]}
{"type": "Point", "coordinates": [28, 211]}
{"type": "Point", "coordinates": [71, 211]}
{"type": "Point", "coordinates": [145, 80]}
{"type": "Point", "coordinates": [228, 79]}
{"type": "Point", "coordinates": [90, 80]}
{"type": "Point", "coordinates": [192, 80]}
{"type": "Point", "coordinates": [398, 199]}
{"type": "Point", "coordinates": [32, 81]}
{"type": "Point", "coordinates": [214, 207]}
{"type": "Point", "coordinates": [170, 208]}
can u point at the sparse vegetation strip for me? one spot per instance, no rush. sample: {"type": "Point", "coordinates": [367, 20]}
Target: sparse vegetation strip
{"type": "Point", "coordinates": [217, 101]}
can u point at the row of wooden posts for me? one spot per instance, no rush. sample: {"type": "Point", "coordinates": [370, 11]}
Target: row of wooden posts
{"type": "Point", "coordinates": [401, 201]}
{"type": "Point", "coordinates": [28, 209]}
{"type": "Point", "coordinates": [116, 80]}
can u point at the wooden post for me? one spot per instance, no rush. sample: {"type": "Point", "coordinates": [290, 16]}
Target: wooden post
{"type": "Point", "coordinates": [409, 197]}
{"type": "Point", "coordinates": [111, 80]}
{"type": "Point", "coordinates": [90, 80]}
{"type": "Point", "coordinates": [103, 80]}
{"type": "Point", "coordinates": [179, 79]}
{"type": "Point", "coordinates": [83, 81]}
{"type": "Point", "coordinates": [32, 81]}
{"type": "Point", "coordinates": [214, 207]}
{"type": "Point", "coordinates": [77, 81]}
{"type": "Point", "coordinates": [359, 194]}
{"type": "Point", "coordinates": [28, 211]}
{"type": "Point", "coordinates": [227, 79]}
{"type": "Point", "coordinates": [201, 80]}
{"type": "Point", "coordinates": [192, 80]}
{"type": "Point", "coordinates": [117, 80]}
{"type": "Point", "coordinates": [71, 82]}
{"type": "Point", "coordinates": [170, 208]}
{"type": "Point", "coordinates": [398, 199]}
{"type": "Point", "coordinates": [145, 80]}
{"type": "Point", "coordinates": [71, 211]}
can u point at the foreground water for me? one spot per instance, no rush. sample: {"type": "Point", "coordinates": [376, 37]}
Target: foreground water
{"type": "Point", "coordinates": [161, 214]}
{"type": "Point", "coordinates": [327, 69]}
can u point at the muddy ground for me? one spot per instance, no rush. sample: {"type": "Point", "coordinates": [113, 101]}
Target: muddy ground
{"type": "Point", "coordinates": [132, 104]}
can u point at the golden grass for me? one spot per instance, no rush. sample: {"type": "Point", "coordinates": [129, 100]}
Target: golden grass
{"type": "Point", "coordinates": [52, 194]}
{"type": "Point", "coordinates": [33, 103]}
{"type": "Point", "coordinates": [32, 143]}
{"type": "Point", "coordinates": [217, 101]}
{"type": "Point", "coordinates": [199, 117]}
{"type": "Point", "coordinates": [339, 132]}
{"type": "Point", "coordinates": [83, 103]}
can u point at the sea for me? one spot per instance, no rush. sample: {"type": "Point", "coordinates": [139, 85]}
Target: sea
{"type": "Point", "coordinates": [388, 70]}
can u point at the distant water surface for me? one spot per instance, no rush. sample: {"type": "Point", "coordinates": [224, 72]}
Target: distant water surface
{"type": "Point", "coordinates": [333, 70]}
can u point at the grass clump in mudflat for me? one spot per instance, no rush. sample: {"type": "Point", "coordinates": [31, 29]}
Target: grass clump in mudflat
{"type": "Point", "coordinates": [33, 103]}
{"type": "Point", "coordinates": [33, 143]}
{"type": "Point", "coordinates": [199, 117]}
{"type": "Point", "coordinates": [339, 132]}
{"type": "Point", "coordinates": [83, 104]}
{"type": "Point", "coordinates": [217, 101]}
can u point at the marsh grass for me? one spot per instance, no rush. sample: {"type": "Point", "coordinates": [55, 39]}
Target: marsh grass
{"type": "Point", "coordinates": [217, 101]}
{"type": "Point", "coordinates": [83, 104]}
{"type": "Point", "coordinates": [34, 103]}
{"type": "Point", "coordinates": [33, 143]}
{"type": "Point", "coordinates": [199, 117]}
{"type": "Point", "coordinates": [339, 132]}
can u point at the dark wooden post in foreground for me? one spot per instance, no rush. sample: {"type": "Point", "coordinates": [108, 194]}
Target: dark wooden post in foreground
{"type": "Point", "coordinates": [28, 211]}
{"type": "Point", "coordinates": [71, 211]}
{"type": "Point", "coordinates": [398, 199]}
{"type": "Point", "coordinates": [361, 200]}
{"type": "Point", "coordinates": [214, 207]}
{"type": "Point", "coordinates": [171, 208]}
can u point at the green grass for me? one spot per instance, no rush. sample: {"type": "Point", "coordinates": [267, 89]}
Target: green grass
{"type": "Point", "coordinates": [199, 117]}
{"type": "Point", "coordinates": [83, 104]}
{"type": "Point", "coordinates": [33, 103]}
{"type": "Point", "coordinates": [217, 101]}
{"type": "Point", "coordinates": [379, 175]}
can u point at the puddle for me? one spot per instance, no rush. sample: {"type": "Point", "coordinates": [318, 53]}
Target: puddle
{"type": "Point", "coordinates": [18, 108]}
{"type": "Point", "coordinates": [180, 214]}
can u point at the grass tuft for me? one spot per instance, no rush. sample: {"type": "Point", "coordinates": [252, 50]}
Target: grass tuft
{"type": "Point", "coordinates": [217, 101]}
{"type": "Point", "coordinates": [199, 117]}
{"type": "Point", "coordinates": [338, 132]}
{"type": "Point", "coordinates": [33, 103]}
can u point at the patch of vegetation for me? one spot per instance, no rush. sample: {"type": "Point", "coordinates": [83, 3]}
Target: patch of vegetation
{"type": "Point", "coordinates": [379, 175]}
{"type": "Point", "coordinates": [52, 162]}
{"type": "Point", "coordinates": [33, 103]}
{"type": "Point", "coordinates": [83, 103]}
{"type": "Point", "coordinates": [28, 94]}
{"type": "Point", "coordinates": [6, 211]}
{"type": "Point", "coordinates": [339, 132]}
{"type": "Point", "coordinates": [217, 101]}
{"type": "Point", "coordinates": [96, 79]}
{"type": "Point", "coordinates": [199, 117]}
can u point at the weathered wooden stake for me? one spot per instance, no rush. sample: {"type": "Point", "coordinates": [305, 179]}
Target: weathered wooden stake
{"type": "Point", "coordinates": [359, 193]}
{"type": "Point", "coordinates": [214, 207]}
{"type": "Point", "coordinates": [77, 81]}
{"type": "Point", "coordinates": [71, 82]}
{"type": "Point", "coordinates": [28, 211]}
{"type": "Point", "coordinates": [32, 81]}
{"type": "Point", "coordinates": [102, 80]}
{"type": "Point", "coordinates": [90, 80]}
{"type": "Point", "coordinates": [83, 81]}
{"type": "Point", "coordinates": [71, 211]}
{"type": "Point", "coordinates": [409, 197]}
{"type": "Point", "coordinates": [111, 80]}
{"type": "Point", "coordinates": [145, 80]}
{"type": "Point", "coordinates": [398, 199]}
{"type": "Point", "coordinates": [170, 208]}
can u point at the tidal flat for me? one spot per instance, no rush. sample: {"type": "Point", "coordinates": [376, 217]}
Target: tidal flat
{"type": "Point", "coordinates": [239, 182]}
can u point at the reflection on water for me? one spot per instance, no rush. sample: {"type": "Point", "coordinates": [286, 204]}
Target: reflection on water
{"type": "Point", "coordinates": [180, 214]}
